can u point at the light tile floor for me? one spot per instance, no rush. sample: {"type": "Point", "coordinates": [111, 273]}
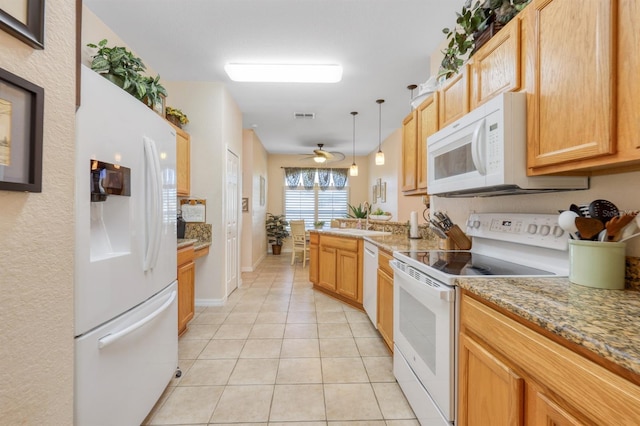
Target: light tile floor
{"type": "Point", "coordinates": [280, 353]}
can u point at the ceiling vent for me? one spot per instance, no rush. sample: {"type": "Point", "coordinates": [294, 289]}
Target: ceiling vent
{"type": "Point", "coordinates": [304, 115]}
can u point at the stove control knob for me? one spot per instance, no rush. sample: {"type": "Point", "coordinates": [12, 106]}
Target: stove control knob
{"type": "Point", "coordinates": [557, 231]}
{"type": "Point", "coordinates": [545, 229]}
{"type": "Point", "coordinates": [532, 228]}
{"type": "Point", "coordinates": [476, 224]}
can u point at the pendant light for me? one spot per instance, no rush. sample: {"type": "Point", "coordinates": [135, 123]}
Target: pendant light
{"type": "Point", "coordinates": [353, 170]}
{"type": "Point", "coordinates": [380, 154]}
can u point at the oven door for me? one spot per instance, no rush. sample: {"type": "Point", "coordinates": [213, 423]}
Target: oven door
{"type": "Point", "coordinates": [424, 328]}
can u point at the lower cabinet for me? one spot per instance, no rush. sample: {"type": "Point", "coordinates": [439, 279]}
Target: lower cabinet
{"type": "Point", "coordinates": [510, 374]}
{"type": "Point", "coordinates": [335, 267]}
{"type": "Point", "coordinates": [186, 287]}
{"type": "Point", "coordinates": [385, 298]}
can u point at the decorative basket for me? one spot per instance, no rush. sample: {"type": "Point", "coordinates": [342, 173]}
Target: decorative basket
{"type": "Point", "coordinates": [174, 120]}
{"type": "Point", "coordinates": [481, 37]}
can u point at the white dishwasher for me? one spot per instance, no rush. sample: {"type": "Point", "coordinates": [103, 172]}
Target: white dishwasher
{"type": "Point", "coordinates": [370, 282]}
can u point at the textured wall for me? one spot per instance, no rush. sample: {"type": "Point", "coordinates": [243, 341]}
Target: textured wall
{"type": "Point", "coordinates": [36, 241]}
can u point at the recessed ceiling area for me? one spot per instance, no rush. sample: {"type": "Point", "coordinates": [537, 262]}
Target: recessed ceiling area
{"type": "Point", "coordinates": [382, 45]}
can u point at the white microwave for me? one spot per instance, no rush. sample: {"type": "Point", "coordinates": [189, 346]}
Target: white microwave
{"type": "Point", "coordinates": [484, 153]}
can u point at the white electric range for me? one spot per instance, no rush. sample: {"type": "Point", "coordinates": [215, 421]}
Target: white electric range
{"type": "Point", "coordinates": [426, 311]}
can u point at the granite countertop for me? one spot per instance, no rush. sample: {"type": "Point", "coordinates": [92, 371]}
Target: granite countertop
{"type": "Point", "coordinates": [197, 244]}
{"type": "Point", "coordinates": [606, 322]}
{"type": "Point", "coordinates": [390, 242]}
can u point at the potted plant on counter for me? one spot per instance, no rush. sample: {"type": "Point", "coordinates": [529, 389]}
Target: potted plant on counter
{"type": "Point", "coordinates": [358, 212]}
{"type": "Point", "coordinates": [319, 224]}
{"type": "Point", "coordinates": [276, 231]}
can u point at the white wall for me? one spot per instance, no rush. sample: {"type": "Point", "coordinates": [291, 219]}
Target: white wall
{"type": "Point", "coordinates": [215, 125]}
{"type": "Point", "coordinates": [254, 235]}
{"type": "Point", "coordinates": [36, 241]}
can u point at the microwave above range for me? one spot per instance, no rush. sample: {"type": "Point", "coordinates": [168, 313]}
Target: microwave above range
{"type": "Point", "coordinates": [484, 153]}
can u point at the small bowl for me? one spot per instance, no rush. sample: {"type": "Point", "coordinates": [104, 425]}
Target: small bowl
{"type": "Point", "coordinates": [382, 217]}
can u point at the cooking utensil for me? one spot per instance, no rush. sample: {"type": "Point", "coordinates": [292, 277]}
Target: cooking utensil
{"type": "Point", "coordinates": [588, 227]}
{"type": "Point", "coordinates": [439, 232]}
{"type": "Point", "coordinates": [567, 221]}
{"type": "Point", "coordinates": [603, 210]}
{"type": "Point", "coordinates": [574, 208]}
{"type": "Point", "coordinates": [615, 225]}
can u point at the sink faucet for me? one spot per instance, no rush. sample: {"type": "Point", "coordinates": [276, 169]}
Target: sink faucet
{"type": "Point", "coordinates": [367, 207]}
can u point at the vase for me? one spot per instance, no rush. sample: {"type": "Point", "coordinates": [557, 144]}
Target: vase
{"type": "Point", "coordinates": [276, 249]}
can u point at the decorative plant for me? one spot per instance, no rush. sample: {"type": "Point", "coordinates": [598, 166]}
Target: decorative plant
{"type": "Point", "coordinates": [470, 22]}
{"type": "Point", "coordinates": [276, 230]}
{"type": "Point", "coordinates": [120, 66]}
{"type": "Point", "coordinates": [175, 112]}
{"type": "Point", "coordinates": [380, 212]}
{"type": "Point", "coordinates": [358, 212]}
{"type": "Point", "coordinates": [153, 91]}
{"type": "Point", "coordinates": [318, 224]}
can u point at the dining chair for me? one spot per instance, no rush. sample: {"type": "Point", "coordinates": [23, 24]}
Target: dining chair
{"type": "Point", "coordinates": [298, 241]}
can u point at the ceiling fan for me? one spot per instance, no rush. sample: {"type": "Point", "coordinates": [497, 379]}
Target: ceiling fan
{"type": "Point", "coordinates": [321, 156]}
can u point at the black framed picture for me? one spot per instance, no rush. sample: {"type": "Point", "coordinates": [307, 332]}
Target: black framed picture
{"type": "Point", "coordinates": [24, 19]}
{"type": "Point", "coordinates": [21, 121]}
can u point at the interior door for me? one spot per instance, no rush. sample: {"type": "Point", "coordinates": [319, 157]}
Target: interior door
{"type": "Point", "coordinates": [231, 208]}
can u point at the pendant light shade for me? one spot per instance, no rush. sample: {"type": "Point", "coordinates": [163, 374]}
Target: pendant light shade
{"type": "Point", "coordinates": [379, 154]}
{"type": "Point", "coordinates": [353, 170]}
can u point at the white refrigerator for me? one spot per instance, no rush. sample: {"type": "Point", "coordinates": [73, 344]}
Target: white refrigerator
{"type": "Point", "coordinates": [126, 345]}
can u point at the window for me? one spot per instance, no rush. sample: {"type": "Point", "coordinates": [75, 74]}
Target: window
{"type": "Point", "coordinates": [315, 204]}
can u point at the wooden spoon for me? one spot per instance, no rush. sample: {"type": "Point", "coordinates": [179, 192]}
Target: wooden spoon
{"type": "Point", "coordinates": [615, 225]}
{"type": "Point", "coordinates": [588, 227]}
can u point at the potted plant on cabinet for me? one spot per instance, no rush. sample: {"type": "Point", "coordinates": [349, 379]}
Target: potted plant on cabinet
{"type": "Point", "coordinates": [276, 231]}
{"type": "Point", "coordinates": [176, 116]}
{"type": "Point", "coordinates": [319, 224]}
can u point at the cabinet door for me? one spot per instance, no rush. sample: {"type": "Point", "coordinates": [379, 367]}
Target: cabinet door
{"type": "Point", "coordinates": [385, 307]}
{"type": "Point", "coordinates": [313, 263]}
{"type": "Point", "coordinates": [490, 393]}
{"type": "Point", "coordinates": [186, 294]}
{"type": "Point", "coordinates": [347, 274]}
{"type": "Point", "coordinates": [183, 163]}
{"type": "Point", "coordinates": [409, 159]}
{"type": "Point", "coordinates": [548, 412]}
{"type": "Point", "coordinates": [496, 65]}
{"type": "Point", "coordinates": [327, 257]}
{"type": "Point", "coordinates": [571, 110]}
{"type": "Point", "coordinates": [454, 98]}
{"type": "Point", "coordinates": [427, 125]}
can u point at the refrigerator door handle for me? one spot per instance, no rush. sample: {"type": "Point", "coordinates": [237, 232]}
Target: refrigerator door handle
{"type": "Point", "coordinates": [154, 188]}
{"type": "Point", "coordinates": [111, 338]}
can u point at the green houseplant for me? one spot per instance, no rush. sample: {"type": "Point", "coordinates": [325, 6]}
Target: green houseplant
{"type": "Point", "coordinates": [276, 231]}
{"type": "Point", "coordinates": [318, 224]}
{"type": "Point", "coordinates": [176, 116]}
{"type": "Point", "coordinates": [120, 66]}
{"type": "Point", "coordinates": [472, 25]}
{"type": "Point", "coordinates": [358, 212]}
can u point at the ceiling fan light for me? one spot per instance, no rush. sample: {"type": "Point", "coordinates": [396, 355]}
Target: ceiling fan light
{"type": "Point", "coordinates": [319, 159]}
{"type": "Point", "coordinates": [379, 158]}
{"type": "Point", "coordinates": [284, 73]}
{"type": "Point", "coordinates": [353, 170]}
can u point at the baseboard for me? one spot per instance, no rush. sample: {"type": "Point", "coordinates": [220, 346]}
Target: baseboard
{"type": "Point", "coordinates": [210, 302]}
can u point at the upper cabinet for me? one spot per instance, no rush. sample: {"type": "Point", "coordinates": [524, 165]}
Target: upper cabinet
{"type": "Point", "coordinates": [454, 98]}
{"type": "Point", "coordinates": [572, 81]}
{"type": "Point", "coordinates": [495, 67]}
{"type": "Point", "coordinates": [183, 162]}
{"type": "Point", "coordinates": [416, 128]}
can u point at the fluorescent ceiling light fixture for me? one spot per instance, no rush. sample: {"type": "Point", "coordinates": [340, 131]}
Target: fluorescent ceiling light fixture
{"type": "Point", "coordinates": [285, 73]}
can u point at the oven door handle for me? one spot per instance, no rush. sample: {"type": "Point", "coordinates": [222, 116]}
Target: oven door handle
{"type": "Point", "coordinates": [434, 288]}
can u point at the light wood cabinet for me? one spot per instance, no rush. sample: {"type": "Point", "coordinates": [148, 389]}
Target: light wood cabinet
{"type": "Point", "coordinates": [572, 82]}
{"type": "Point", "coordinates": [186, 287]}
{"type": "Point", "coordinates": [454, 98]}
{"type": "Point", "coordinates": [416, 128]}
{"type": "Point", "coordinates": [512, 374]}
{"type": "Point", "coordinates": [385, 298]}
{"type": "Point", "coordinates": [409, 152]}
{"type": "Point", "coordinates": [314, 240]}
{"type": "Point", "coordinates": [495, 67]}
{"type": "Point", "coordinates": [183, 162]}
{"type": "Point", "coordinates": [339, 267]}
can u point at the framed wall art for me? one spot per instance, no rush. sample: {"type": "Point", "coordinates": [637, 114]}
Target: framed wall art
{"type": "Point", "coordinates": [24, 19]}
{"type": "Point", "coordinates": [245, 204]}
{"type": "Point", "coordinates": [21, 120]}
